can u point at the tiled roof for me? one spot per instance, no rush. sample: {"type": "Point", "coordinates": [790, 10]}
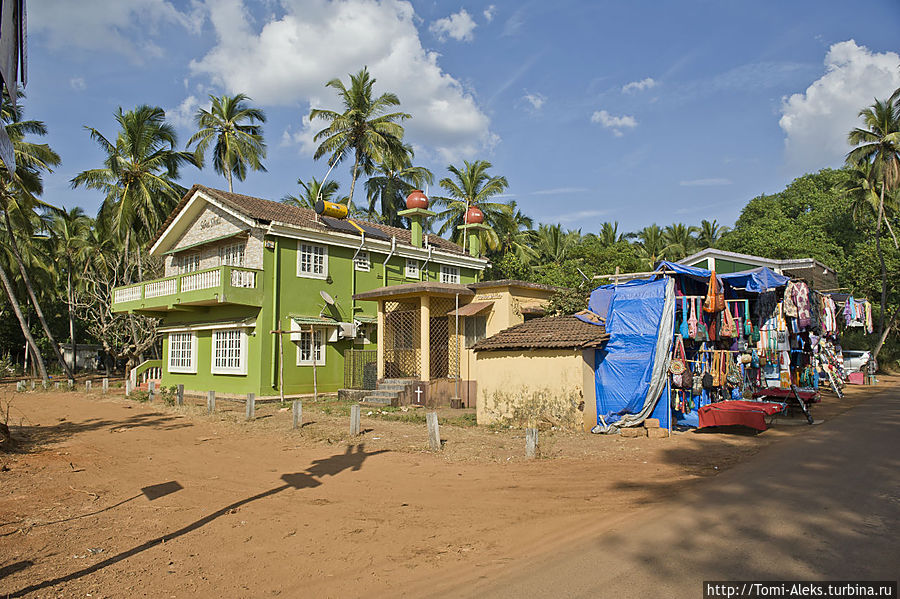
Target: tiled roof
{"type": "Point", "coordinates": [550, 332]}
{"type": "Point", "coordinates": [267, 211]}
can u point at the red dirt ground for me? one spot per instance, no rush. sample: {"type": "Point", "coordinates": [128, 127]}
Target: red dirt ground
{"type": "Point", "coordinates": [237, 509]}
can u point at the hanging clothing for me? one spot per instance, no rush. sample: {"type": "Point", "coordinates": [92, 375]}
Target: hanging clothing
{"type": "Point", "coordinates": [796, 303]}
{"type": "Point", "coordinates": [765, 307]}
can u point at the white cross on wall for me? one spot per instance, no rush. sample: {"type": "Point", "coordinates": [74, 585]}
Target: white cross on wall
{"type": "Point", "coordinates": [419, 394]}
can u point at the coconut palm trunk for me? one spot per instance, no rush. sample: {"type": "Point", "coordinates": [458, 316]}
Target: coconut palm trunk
{"type": "Point", "coordinates": [29, 340]}
{"type": "Point", "coordinates": [71, 300]}
{"type": "Point", "coordinates": [34, 301]}
{"type": "Point", "coordinates": [881, 260]}
{"type": "Point", "coordinates": [353, 183]}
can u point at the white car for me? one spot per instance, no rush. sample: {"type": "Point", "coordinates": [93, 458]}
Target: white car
{"type": "Point", "coordinates": [856, 360]}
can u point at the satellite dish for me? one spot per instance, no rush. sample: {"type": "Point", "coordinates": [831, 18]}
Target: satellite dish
{"type": "Point", "coordinates": [328, 299]}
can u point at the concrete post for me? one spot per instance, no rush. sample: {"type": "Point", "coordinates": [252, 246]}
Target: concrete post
{"type": "Point", "coordinates": [57, 385]}
{"type": "Point", "coordinates": [151, 390]}
{"type": "Point", "coordinates": [180, 395]}
{"type": "Point", "coordinates": [127, 387]}
{"type": "Point", "coordinates": [71, 384]}
{"type": "Point", "coordinates": [425, 338]}
{"type": "Point", "coordinates": [434, 431]}
{"type": "Point", "coordinates": [88, 384]}
{"type": "Point", "coordinates": [354, 420]}
{"type": "Point", "coordinates": [531, 442]}
{"type": "Point", "coordinates": [297, 414]}
{"type": "Point", "coordinates": [210, 402]}
{"type": "Point", "coordinates": [105, 385]}
{"type": "Point", "coordinates": [20, 385]}
{"type": "Point", "coordinates": [45, 385]}
{"type": "Point", "coordinates": [251, 406]}
{"type": "Point", "coordinates": [32, 385]}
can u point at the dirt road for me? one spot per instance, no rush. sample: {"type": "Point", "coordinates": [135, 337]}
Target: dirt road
{"type": "Point", "coordinates": [111, 498]}
{"type": "Point", "coordinates": [823, 507]}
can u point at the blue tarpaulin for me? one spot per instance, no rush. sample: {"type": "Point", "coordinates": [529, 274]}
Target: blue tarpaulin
{"type": "Point", "coordinates": [701, 274]}
{"type": "Point", "coordinates": [629, 375]}
{"type": "Point", "coordinates": [756, 280]}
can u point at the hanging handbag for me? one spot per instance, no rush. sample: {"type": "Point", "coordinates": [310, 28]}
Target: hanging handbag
{"type": "Point", "coordinates": [754, 359]}
{"type": "Point", "coordinates": [702, 331]}
{"type": "Point", "coordinates": [715, 297]}
{"type": "Point", "coordinates": [692, 322]}
{"type": "Point", "coordinates": [716, 369]}
{"type": "Point", "coordinates": [676, 364]}
{"type": "Point", "coordinates": [686, 378]}
{"type": "Point", "coordinates": [733, 378]}
{"type": "Point", "coordinates": [748, 326]}
{"type": "Point", "coordinates": [754, 333]}
{"type": "Point", "coordinates": [684, 328]}
{"type": "Point", "coordinates": [729, 328]}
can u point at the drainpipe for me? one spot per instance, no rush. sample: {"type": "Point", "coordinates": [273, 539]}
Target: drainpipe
{"type": "Point", "coordinates": [362, 241]}
{"type": "Point", "coordinates": [424, 271]}
{"type": "Point", "coordinates": [458, 359]}
{"type": "Point", "coordinates": [276, 277]}
{"type": "Point", "coordinates": [387, 258]}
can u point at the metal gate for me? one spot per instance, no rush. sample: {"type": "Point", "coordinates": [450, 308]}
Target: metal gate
{"type": "Point", "coordinates": [401, 340]}
{"type": "Point", "coordinates": [360, 369]}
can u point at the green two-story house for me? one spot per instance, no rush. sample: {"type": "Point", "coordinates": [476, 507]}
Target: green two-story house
{"type": "Point", "coordinates": [258, 292]}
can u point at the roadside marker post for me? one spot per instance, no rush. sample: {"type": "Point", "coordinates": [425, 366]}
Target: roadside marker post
{"type": "Point", "coordinates": [151, 389]}
{"type": "Point", "coordinates": [531, 442]}
{"type": "Point", "coordinates": [180, 393]}
{"type": "Point", "coordinates": [210, 402]}
{"type": "Point", "coordinates": [296, 414]}
{"type": "Point", "coordinates": [251, 406]}
{"type": "Point", "coordinates": [88, 384]}
{"type": "Point", "coordinates": [434, 431]}
{"type": "Point", "coordinates": [105, 386]}
{"type": "Point", "coordinates": [354, 420]}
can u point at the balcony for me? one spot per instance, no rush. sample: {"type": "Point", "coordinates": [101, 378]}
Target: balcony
{"type": "Point", "coordinates": [221, 285]}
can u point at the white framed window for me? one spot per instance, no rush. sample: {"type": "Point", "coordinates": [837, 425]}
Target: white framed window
{"type": "Point", "coordinates": [229, 352]}
{"type": "Point", "coordinates": [476, 329]}
{"type": "Point", "coordinates": [232, 255]}
{"type": "Point", "coordinates": [188, 262]}
{"type": "Point", "coordinates": [312, 260]}
{"type": "Point", "coordinates": [449, 274]}
{"type": "Point", "coordinates": [183, 352]}
{"type": "Point", "coordinates": [412, 268]}
{"type": "Point", "coordinates": [311, 345]}
{"type": "Point", "coordinates": [362, 263]}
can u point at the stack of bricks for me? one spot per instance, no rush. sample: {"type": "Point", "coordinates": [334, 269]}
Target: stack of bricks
{"type": "Point", "coordinates": [653, 431]}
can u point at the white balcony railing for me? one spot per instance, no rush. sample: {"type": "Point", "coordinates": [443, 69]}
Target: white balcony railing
{"type": "Point", "coordinates": [206, 279]}
{"type": "Point", "coordinates": [161, 288]}
{"type": "Point", "coordinates": [128, 294]}
{"type": "Point", "coordinates": [243, 278]}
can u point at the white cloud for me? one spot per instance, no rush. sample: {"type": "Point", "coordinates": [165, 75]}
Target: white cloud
{"type": "Point", "coordinates": [638, 86]}
{"type": "Point", "coordinates": [536, 100]}
{"type": "Point", "coordinates": [459, 26]}
{"type": "Point", "coordinates": [817, 121]}
{"type": "Point", "coordinates": [78, 84]}
{"type": "Point", "coordinates": [123, 27]}
{"type": "Point", "coordinates": [558, 191]}
{"type": "Point", "coordinates": [614, 123]}
{"type": "Point", "coordinates": [489, 13]}
{"type": "Point", "coordinates": [577, 217]}
{"type": "Point", "coordinates": [182, 116]}
{"type": "Point", "coordinates": [288, 60]}
{"type": "Point", "coordinates": [705, 182]}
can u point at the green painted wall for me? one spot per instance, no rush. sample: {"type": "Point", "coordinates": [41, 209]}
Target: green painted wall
{"type": "Point", "coordinates": [288, 296]}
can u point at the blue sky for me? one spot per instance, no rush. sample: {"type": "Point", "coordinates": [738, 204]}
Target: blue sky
{"type": "Point", "coordinates": [636, 112]}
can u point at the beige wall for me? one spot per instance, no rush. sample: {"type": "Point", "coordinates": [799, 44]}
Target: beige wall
{"type": "Point", "coordinates": [505, 313]}
{"type": "Point", "coordinates": [524, 388]}
{"type": "Point", "coordinates": [210, 224]}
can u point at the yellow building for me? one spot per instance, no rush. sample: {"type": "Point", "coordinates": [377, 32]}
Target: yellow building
{"type": "Point", "coordinates": [541, 371]}
{"type": "Point", "coordinates": [426, 331]}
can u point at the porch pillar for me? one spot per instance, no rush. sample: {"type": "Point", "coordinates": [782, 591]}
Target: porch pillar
{"type": "Point", "coordinates": [425, 338]}
{"type": "Point", "coordinates": [379, 343]}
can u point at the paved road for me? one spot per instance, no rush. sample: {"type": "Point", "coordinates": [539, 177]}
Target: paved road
{"type": "Point", "coordinates": [824, 506]}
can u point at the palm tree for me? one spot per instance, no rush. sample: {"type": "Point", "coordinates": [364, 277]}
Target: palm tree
{"type": "Point", "coordinates": [472, 186]}
{"type": "Point", "coordinates": [609, 234]}
{"type": "Point", "coordinates": [365, 128]}
{"type": "Point", "coordinates": [862, 189]}
{"type": "Point", "coordinates": [138, 175]}
{"type": "Point", "coordinates": [709, 234]}
{"type": "Point", "coordinates": [879, 144]}
{"type": "Point", "coordinates": [651, 244]}
{"type": "Point", "coordinates": [313, 191]}
{"type": "Point", "coordinates": [515, 234]}
{"type": "Point", "coordinates": [554, 244]}
{"type": "Point", "coordinates": [239, 144]}
{"type": "Point", "coordinates": [680, 240]}
{"type": "Point", "coordinates": [395, 177]}
{"type": "Point", "coordinates": [69, 234]}
{"type": "Point", "coordinates": [18, 199]}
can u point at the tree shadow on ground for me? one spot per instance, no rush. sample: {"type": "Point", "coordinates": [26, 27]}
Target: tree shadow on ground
{"type": "Point", "coordinates": [352, 460]}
